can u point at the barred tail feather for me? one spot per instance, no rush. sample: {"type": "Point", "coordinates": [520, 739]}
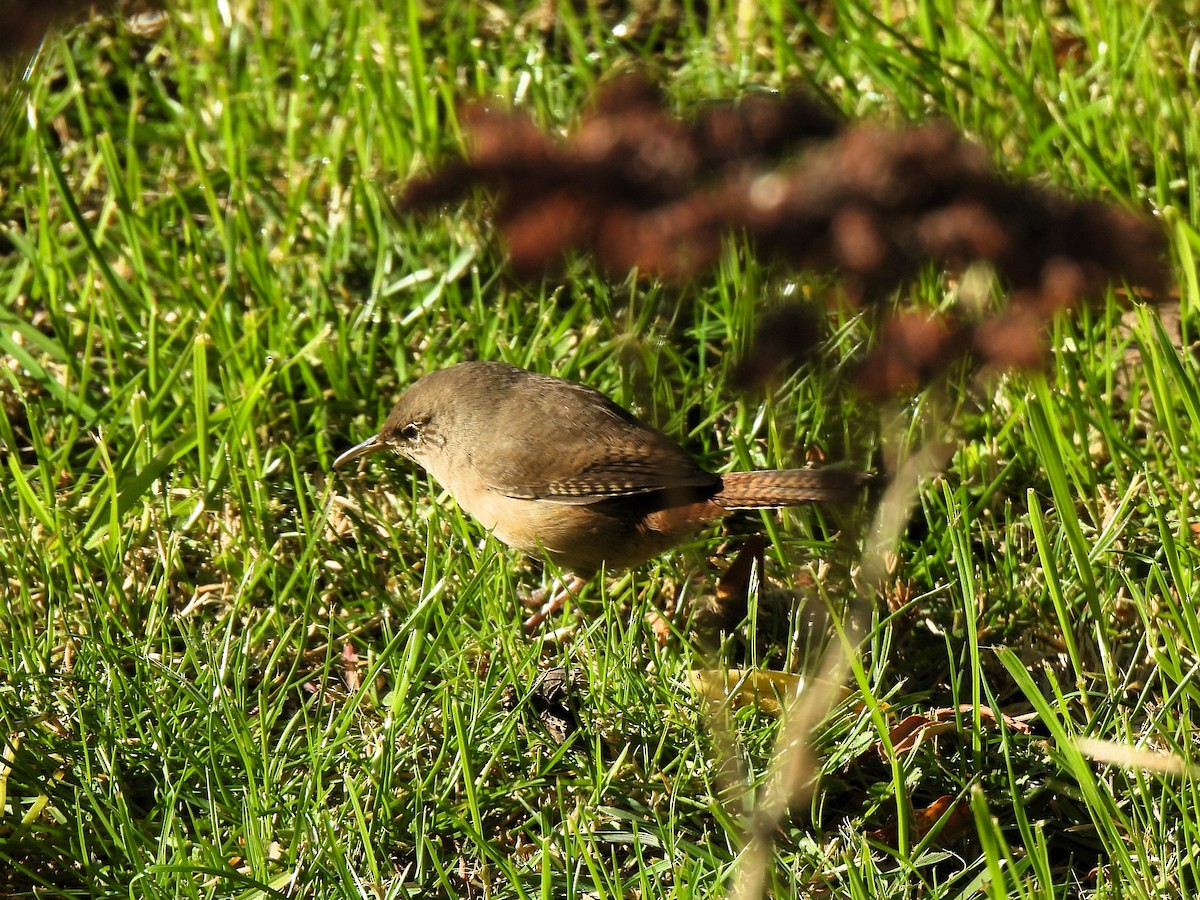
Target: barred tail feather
{"type": "Point", "coordinates": [787, 487]}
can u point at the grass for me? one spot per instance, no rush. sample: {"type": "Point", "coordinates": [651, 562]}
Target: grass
{"type": "Point", "coordinates": [226, 673]}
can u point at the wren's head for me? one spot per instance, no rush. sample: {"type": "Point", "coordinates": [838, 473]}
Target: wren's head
{"type": "Point", "coordinates": [444, 413]}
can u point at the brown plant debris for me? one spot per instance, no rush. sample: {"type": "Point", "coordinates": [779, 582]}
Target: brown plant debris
{"type": "Point", "coordinates": [26, 22]}
{"type": "Point", "coordinates": [909, 732]}
{"type": "Point", "coordinates": [954, 815]}
{"type": "Point", "coordinates": [552, 699]}
{"type": "Point", "coordinates": [640, 188]}
{"type": "Point", "coordinates": [725, 610]}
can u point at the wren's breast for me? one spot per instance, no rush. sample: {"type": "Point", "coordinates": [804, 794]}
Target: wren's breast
{"type": "Point", "coordinates": [618, 532]}
{"type": "Point", "coordinates": [581, 538]}
{"type": "Point", "coordinates": [577, 538]}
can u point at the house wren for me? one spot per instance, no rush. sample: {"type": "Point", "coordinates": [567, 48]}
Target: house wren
{"type": "Point", "coordinates": [555, 468]}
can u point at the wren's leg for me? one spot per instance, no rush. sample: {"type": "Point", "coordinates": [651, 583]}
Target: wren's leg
{"type": "Point", "coordinates": [551, 599]}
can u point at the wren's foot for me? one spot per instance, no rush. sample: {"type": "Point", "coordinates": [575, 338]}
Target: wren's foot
{"type": "Point", "coordinates": [550, 600]}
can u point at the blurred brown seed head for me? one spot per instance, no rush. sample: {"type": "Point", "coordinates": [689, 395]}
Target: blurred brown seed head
{"type": "Point", "coordinates": [640, 188]}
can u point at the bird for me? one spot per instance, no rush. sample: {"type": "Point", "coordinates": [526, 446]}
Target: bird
{"type": "Point", "coordinates": [557, 469]}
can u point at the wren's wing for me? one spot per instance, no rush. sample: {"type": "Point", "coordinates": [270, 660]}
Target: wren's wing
{"type": "Point", "coordinates": [626, 471]}
{"type": "Point", "coordinates": [599, 451]}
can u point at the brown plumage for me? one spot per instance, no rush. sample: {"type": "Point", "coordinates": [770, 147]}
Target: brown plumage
{"type": "Point", "coordinates": [556, 468]}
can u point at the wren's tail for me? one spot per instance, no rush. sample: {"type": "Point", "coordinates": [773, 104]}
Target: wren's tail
{"type": "Point", "coordinates": [787, 487]}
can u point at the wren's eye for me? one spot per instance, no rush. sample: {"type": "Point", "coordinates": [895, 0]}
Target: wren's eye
{"type": "Point", "coordinates": [410, 432]}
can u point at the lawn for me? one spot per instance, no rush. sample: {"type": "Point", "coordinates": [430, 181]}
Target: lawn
{"type": "Point", "coordinates": [228, 671]}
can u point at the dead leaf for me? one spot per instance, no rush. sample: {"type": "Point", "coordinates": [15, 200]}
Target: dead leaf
{"type": "Point", "coordinates": [913, 729]}
{"type": "Point", "coordinates": [350, 673]}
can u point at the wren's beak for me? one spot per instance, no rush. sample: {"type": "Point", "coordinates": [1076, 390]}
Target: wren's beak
{"type": "Point", "coordinates": [371, 445]}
